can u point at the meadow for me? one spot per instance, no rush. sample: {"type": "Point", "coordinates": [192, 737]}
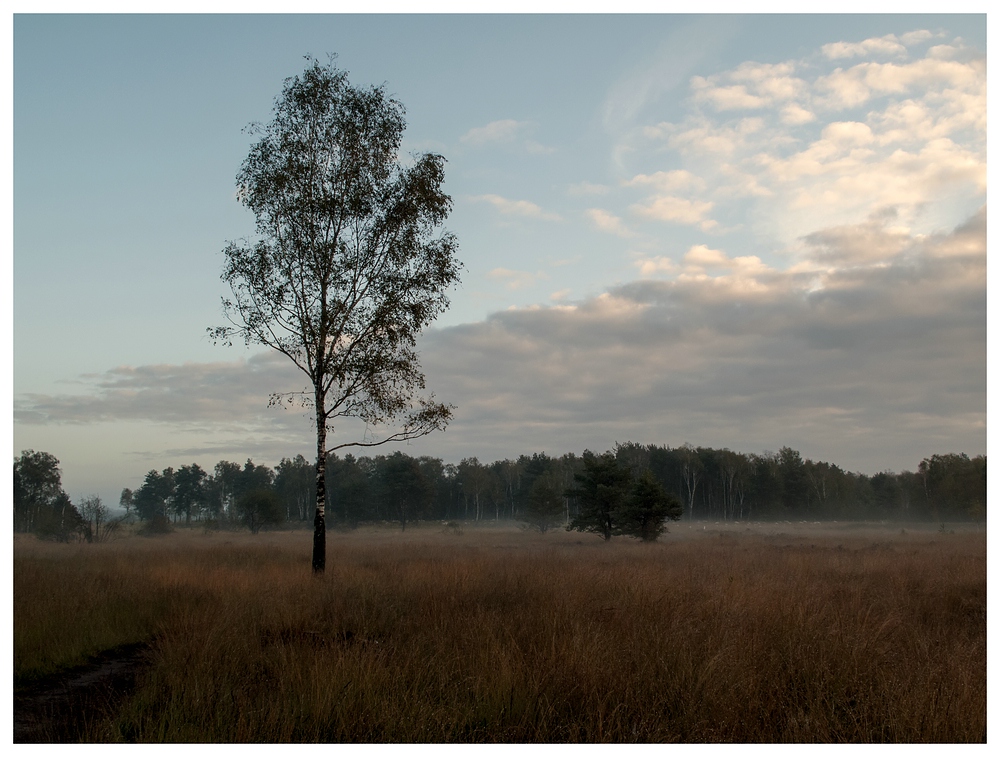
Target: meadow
{"type": "Point", "coordinates": [717, 633]}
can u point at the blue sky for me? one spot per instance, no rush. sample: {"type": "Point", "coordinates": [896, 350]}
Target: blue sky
{"type": "Point", "coordinates": [733, 231]}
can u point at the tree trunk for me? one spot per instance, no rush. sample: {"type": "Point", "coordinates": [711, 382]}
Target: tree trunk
{"type": "Point", "coordinates": [319, 522]}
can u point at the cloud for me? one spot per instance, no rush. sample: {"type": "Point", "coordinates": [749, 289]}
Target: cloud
{"type": "Point", "coordinates": [536, 148]}
{"type": "Point", "coordinates": [845, 363]}
{"type": "Point", "coordinates": [889, 45]}
{"type": "Point", "coordinates": [749, 86]}
{"type": "Point", "coordinates": [867, 348]}
{"type": "Point", "coordinates": [605, 221]}
{"type": "Point", "coordinates": [664, 70]}
{"type": "Point", "coordinates": [677, 210]}
{"type": "Point", "coordinates": [522, 208]}
{"type": "Point", "coordinates": [704, 257]}
{"type": "Point", "coordinates": [848, 133]}
{"type": "Point", "coordinates": [857, 85]}
{"type": "Point", "coordinates": [515, 279]}
{"type": "Point", "coordinates": [505, 130]}
{"type": "Point", "coordinates": [588, 189]}
{"type": "Point", "coordinates": [700, 135]}
{"type": "Point", "coordinates": [727, 98]}
{"type": "Point", "coordinates": [868, 361]}
{"type": "Point", "coordinates": [794, 114]}
{"type": "Point", "coordinates": [868, 242]}
{"type": "Point", "coordinates": [835, 180]}
{"type": "Point", "coordinates": [659, 264]}
{"type": "Point", "coordinates": [192, 394]}
{"type": "Point", "coordinates": [916, 37]}
{"type": "Point", "coordinates": [799, 163]}
{"type": "Point", "coordinates": [667, 181]}
{"type": "Point", "coordinates": [744, 270]}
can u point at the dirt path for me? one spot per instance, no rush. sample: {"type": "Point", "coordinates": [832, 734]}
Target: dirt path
{"type": "Point", "coordinates": [58, 709]}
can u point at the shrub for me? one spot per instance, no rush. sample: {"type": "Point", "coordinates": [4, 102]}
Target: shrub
{"type": "Point", "coordinates": [158, 525]}
{"type": "Point", "coordinates": [259, 508]}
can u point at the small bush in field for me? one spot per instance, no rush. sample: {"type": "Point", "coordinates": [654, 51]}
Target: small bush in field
{"type": "Point", "coordinates": [260, 508]}
{"type": "Point", "coordinates": [158, 525]}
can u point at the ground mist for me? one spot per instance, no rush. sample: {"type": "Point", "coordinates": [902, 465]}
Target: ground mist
{"type": "Point", "coordinates": [738, 633]}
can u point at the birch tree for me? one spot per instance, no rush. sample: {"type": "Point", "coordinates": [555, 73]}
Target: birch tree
{"type": "Point", "coordinates": [348, 266]}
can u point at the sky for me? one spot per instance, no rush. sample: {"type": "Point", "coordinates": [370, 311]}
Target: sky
{"type": "Point", "coordinates": [728, 231]}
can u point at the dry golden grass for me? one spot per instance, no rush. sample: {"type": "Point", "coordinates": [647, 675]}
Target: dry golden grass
{"type": "Point", "coordinates": [723, 635]}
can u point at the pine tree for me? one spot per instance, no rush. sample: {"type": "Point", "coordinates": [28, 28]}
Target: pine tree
{"type": "Point", "coordinates": [644, 512]}
{"type": "Point", "coordinates": [601, 490]}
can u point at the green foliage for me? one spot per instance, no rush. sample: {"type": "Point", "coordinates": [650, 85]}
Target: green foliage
{"type": "Point", "coordinates": [259, 508]}
{"type": "Point", "coordinates": [349, 487]}
{"type": "Point", "coordinates": [40, 504]}
{"type": "Point", "coordinates": [189, 494]}
{"type": "Point", "coordinates": [887, 493]}
{"type": "Point", "coordinates": [544, 508]}
{"type": "Point", "coordinates": [794, 483]}
{"type": "Point", "coordinates": [127, 501]}
{"type": "Point", "coordinates": [155, 495]}
{"type": "Point", "coordinates": [474, 481]}
{"type": "Point", "coordinates": [157, 525]}
{"type": "Point", "coordinates": [955, 486]}
{"type": "Point", "coordinates": [59, 522]}
{"type": "Point", "coordinates": [601, 490]}
{"type": "Point", "coordinates": [403, 488]}
{"type": "Point", "coordinates": [224, 488]}
{"type": "Point", "coordinates": [643, 513]}
{"type": "Point", "coordinates": [348, 268]}
{"type": "Point", "coordinates": [726, 485]}
{"type": "Point", "coordinates": [295, 482]}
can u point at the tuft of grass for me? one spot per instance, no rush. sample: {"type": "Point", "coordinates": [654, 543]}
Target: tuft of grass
{"type": "Point", "coordinates": [507, 636]}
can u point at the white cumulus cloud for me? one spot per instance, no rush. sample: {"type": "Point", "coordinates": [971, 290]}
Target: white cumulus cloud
{"type": "Point", "coordinates": [887, 45]}
{"type": "Point", "coordinates": [677, 210]}
{"type": "Point", "coordinates": [608, 222]}
{"type": "Point", "coordinates": [523, 208]}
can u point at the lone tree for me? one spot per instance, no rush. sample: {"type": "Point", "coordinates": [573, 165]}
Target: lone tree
{"type": "Point", "coordinates": [601, 490]}
{"type": "Point", "coordinates": [260, 507]}
{"type": "Point", "coordinates": [644, 512]}
{"type": "Point", "coordinates": [95, 514]}
{"type": "Point", "coordinates": [347, 269]}
{"type": "Point", "coordinates": [544, 508]}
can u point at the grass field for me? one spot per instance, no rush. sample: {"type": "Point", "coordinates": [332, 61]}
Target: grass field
{"type": "Point", "coordinates": [718, 633]}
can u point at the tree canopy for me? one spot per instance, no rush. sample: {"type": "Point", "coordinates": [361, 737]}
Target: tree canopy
{"type": "Point", "coordinates": [40, 504]}
{"type": "Point", "coordinates": [348, 267]}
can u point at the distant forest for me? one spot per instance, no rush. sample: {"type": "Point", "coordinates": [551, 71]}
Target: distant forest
{"type": "Point", "coordinates": [710, 484]}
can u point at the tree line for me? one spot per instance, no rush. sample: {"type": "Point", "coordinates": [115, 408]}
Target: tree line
{"type": "Point", "coordinates": [633, 490]}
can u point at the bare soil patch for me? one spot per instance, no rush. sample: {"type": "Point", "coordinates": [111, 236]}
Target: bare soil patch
{"type": "Point", "coordinates": [62, 707]}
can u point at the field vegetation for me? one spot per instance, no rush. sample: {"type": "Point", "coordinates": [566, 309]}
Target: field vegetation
{"type": "Point", "coordinates": [716, 633]}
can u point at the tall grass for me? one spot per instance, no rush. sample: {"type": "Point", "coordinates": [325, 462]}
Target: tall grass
{"type": "Point", "coordinates": [505, 636]}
